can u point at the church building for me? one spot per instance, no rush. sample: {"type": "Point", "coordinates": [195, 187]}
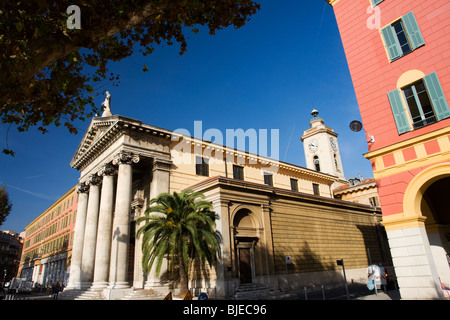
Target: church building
{"type": "Point", "coordinates": [281, 227]}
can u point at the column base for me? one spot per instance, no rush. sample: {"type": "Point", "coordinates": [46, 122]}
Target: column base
{"type": "Point", "coordinates": [73, 286]}
{"type": "Point", "coordinates": [155, 285]}
{"type": "Point", "coordinates": [100, 285]}
{"type": "Point", "coordinates": [118, 285]}
{"type": "Point", "coordinates": [85, 285]}
{"type": "Point", "coordinates": [79, 285]}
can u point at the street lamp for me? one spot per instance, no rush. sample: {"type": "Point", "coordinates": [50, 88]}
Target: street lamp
{"type": "Point", "coordinates": [356, 126]}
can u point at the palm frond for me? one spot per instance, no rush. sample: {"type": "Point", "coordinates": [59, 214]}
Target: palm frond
{"type": "Point", "coordinates": [179, 225]}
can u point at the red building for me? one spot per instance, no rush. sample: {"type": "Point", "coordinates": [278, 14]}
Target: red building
{"type": "Point", "coordinates": [398, 54]}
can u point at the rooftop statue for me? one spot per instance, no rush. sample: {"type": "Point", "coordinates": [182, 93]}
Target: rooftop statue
{"type": "Point", "coordinates": [107, 105]}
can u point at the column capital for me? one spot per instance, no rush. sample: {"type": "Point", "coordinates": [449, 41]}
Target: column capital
{"type": "Point", "coordinates": [82, 188]}
{"type": "Point", "coordinates": [94, 180]}
{"type": "Point", "coordinates": [107, 170]}
{"type": "Point", "coordinates": [125, 157]}
{"type": "Point", "coordinates": [159, 164]}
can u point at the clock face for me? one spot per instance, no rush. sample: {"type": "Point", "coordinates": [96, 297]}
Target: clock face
{"type": "Point", "coordinates": [313, 145]}
{"type": "Point", "coordinates": [333, 143]}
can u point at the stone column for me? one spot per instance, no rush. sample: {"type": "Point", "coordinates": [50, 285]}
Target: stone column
{"type": "Point", "coordinates": [159, 184]}
{"type": "Point", "coordinates": [224, 263]}
{"type": "Point", "coordinates": [104, 234]}
{"type": "Point", "coordinates": [121, 226]}
{"type": "Point", "coordinates": [78, 241]}
{"type": "Point", "coordinates": [90, 234]}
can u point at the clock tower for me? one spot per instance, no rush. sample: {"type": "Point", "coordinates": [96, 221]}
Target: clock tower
{"type": "Point", "coordinates": [321, 148]}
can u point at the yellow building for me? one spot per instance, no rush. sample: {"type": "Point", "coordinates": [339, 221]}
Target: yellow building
{"type": "Point", "coordinates": [48, 242]}
{"type": "Point", "coordinates": [359, 190]}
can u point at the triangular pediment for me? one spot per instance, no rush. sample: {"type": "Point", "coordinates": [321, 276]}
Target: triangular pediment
{"type": "Point", "coordinates": [95, 132]}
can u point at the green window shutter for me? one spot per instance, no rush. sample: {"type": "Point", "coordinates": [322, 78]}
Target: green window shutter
{"type": "Point", "coordinates": [375, 2]}
{"type": "Point", "coordinates": [400, 117]}
{"type": "Point", "coordinates": [413, 31]}
{"type": "Point", "coordinates": [391, 41]}
{"type": "Point", "coordinates": [437, 96]}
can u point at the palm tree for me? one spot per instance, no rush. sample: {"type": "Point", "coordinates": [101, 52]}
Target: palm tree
{"type": "Point", "coordinates": [182, 228]}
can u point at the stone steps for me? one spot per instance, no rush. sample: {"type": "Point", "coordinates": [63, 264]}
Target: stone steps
{"type": "Point", "coordinates": [144, 294]}
{"type": "Point", "coordinates": [69, 294]}
{"type": "Point", "coordinates": [252, 291]}
{"type": "Point", "coordinates": [92, 294]}
{"type": "Point", "coordinates": [77, 294]}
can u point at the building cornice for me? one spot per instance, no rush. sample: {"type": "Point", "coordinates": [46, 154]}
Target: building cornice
{"type": "Point", "coordinates": [112, 128]}
{"type": "Point", "coordinates": [265, 161]}
{"type": "Point", "coordinates": [356, 188]}
{"type": "Point", "coordinates": [53, 206]}
{"type": "Point", "coordinates": [313, 131]}
{"type": "Point", "coordinates": [91, 145]}
{"type": "Point", "coordinates": [230, 182]}
{"type": "Point", "coordinates": [408, 143]}
{"type": "Point", "coordinates": [332, 2]}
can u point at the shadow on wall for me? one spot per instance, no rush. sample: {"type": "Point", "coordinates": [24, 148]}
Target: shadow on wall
{"type": "Point", "coordinates": [307, 269]}
{"type": "Point", "coordinates": [376, 244]}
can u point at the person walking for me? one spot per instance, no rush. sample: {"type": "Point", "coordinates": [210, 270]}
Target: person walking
{"type": "Point", "coordinates": [55, 290]}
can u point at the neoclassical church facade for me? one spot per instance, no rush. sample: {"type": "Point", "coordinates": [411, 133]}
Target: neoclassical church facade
{"type": "Point", "coordinates": [280, 225]}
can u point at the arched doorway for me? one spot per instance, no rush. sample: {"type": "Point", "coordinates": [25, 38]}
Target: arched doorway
{"type": "Point", "coordinates": [436, 208]}
{"type": "Point", "coordinates": [245, 240]}
{"type": "Point", "coordinates": [426, 199]}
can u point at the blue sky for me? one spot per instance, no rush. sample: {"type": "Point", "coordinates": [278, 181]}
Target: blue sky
{"type": "Point", "coordinates": [268, 74]}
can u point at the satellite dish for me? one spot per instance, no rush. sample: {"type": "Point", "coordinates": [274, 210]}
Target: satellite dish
{"type": "Point", "coordinates": [355, 126]}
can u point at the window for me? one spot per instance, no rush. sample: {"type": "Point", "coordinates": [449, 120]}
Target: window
{"type": "Point", "coordinates": [402, 37]}
{"type": "Point", "coordinates": [238, 172]}
{"type": "Point", "coordinates": [268, 179]}
{"type": "Point", "coordinates": [316, 163]}
{"type": "Point", "coordinates": [400, 33]}
{"type": "Point", "coordinates": [316, 189]}
{"type": "Point", "coordinates": [201, 166]}
{"type": "Point", "coordinates": [425, 104]}
{"type": "Point", "coordinates": [336, 162]}
{"type": "Point", "coordinates": [373, 201]}
{"type": "Point", "coordinates": [419, 105]}
{"type": "Point", "coordinates": [294, 184]}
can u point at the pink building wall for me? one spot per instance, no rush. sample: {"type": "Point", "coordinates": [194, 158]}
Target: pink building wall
{"type": "Point", "coordinates": [374, 76]}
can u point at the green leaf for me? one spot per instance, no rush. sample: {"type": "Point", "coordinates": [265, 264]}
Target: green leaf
{"type": "Point", "coordinates": [8, 152]}
{"type": "Point", "coordinates": [19, 26]}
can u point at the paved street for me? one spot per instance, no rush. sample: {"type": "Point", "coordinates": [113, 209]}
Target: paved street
{"type": "Point", "coordinates": [356, 292]}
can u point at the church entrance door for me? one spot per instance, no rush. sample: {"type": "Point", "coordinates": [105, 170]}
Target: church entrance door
{"type": "Point", "coordinates": [245, 267]}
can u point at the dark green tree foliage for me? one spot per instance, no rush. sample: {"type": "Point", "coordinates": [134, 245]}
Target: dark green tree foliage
{"type": "Point", "coordinates": [181, 227]}
{"type": "Point", "coordinates": [49, 72]}
{"type": "Point", "coordinates": [5, 204]}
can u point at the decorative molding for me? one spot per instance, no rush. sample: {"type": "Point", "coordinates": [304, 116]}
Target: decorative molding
{"type": "Point", "coordinates": [107, 170]}
{"type": "Point", "coordinates": [103, 132]}
{"type": "Point", "coordinates": [162, 165]}
{"type": "Point", "coordinates": [82, 188]}
{"type": "Point", "coordinates": [124, 157]}
{"type": "Point", "coordinates": [94, 180]}
{"type": "Point", "coordinates": [399, 221]}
